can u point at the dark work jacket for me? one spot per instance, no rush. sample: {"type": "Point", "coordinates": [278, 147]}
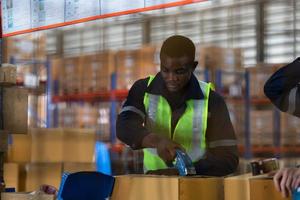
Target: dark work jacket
{"type": "Point", "coordinates": [219, 160]}
{"type": "Point", "coordinates": [282, 88]}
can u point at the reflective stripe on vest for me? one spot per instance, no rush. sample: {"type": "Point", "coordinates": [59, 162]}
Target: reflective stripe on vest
{"type": "Point", "coordinates": [189, 131]}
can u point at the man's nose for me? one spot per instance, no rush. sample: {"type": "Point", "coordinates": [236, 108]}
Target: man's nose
{"type": "Point", "coordinates": [172, 76]}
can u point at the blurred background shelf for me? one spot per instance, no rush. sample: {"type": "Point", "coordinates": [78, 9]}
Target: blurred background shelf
{"type": "Point", "coordinates": [114, 95]}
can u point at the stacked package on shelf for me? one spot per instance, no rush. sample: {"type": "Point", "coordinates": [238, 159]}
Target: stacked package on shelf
{"type": "Point", "coordinates": [97, 71]}
{"type": "Point", "coordinates": [289, 129]}
{"type": "Point", "coordinates": [132, 65]}
{"type": "Point", "coordinates": [71, 75]}
{"type": "Point", "coordinates": [86, 115]}
{"type": "Point", "coordinates": [261, 127]}
{"type": "Point", "coordinates": [237, 117]}
{"type": "Point", "coordinates": [27, 47]}
{"type": "Point", "coordinates": [259, 74]}
{"type": "Point", "coordinates": [216, 58]}
{"type": "Point", "coordinates": [43, 155]}
{"type": "Point", "coordinates": [83, 74]}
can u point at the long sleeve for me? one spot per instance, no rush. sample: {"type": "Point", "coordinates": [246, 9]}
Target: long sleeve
{"type": "Point", "coordinates": [222, 156]}
{"type": "Point", "coordinates": [282, 88]}
{"type": "Point", "coordinates": [129, 126]}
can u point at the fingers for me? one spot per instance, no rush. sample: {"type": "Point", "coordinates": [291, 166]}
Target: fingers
{"type": "Point", "coordinates": [282, 184]}
{"type": "Point", "coordinates": [288, 184]}
{"type": "Point", "coordinates": [277, 179]}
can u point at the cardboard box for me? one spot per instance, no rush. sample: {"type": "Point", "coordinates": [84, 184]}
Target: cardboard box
{"type": "Point", "coordinates": [70, 77]}
{"type": "Point", "coordinates": [98, 69]}
{"type": "Point", "coordinates": [79, 145]}
{"type": "Point", "coordinates": [8, 74]}
{"type": "Point", "coordinates": [215, 58]}
{"type": "Point", "coordinates": [237, 187]}
{"type": "Point", "coordinates": [135, 187]}
{"type": "Point", "coordinates": [25, 196]}
{"type": "Point", "coordinates": [148, 61]}
{"type": "Point", "coordinates": [38, 174]}
{"type": "Point", "coordinates": [248, 187]}
{"type": "Point", "coordinates": [127, 65]}
{"type": "Point", "coordinates": [15, 110]}
{"type": "Point", "coordinates": [47, 145]}
{"type": "Point", "coordinates": [19, 149]}
{"type": "Point", "coordinates": [63, 145]}
{"type": "Point", "coordinates": [11, 175]}
{"type": "Point", "coordinates": [258, 75]}
{"type": "Point", "coordinates": [289, 129]}
{"type": "Point", "coordinates": [261, 127]}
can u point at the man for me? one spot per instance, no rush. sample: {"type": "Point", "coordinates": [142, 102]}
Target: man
{"type": "Point", "coordinates": [282, 89]}
{"type": "Point", "coordinates": [174, 110]}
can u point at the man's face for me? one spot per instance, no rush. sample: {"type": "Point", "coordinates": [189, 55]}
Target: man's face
{"type": "Point", "coordinates": [176, 72]}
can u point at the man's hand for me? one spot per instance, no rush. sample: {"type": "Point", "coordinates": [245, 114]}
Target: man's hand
{"type": "Point", "coordinates": [286, 180]}
{"type": "Point", "coordinates": [166, 148]}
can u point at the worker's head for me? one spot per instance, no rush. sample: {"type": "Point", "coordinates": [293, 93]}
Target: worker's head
{"type": "Point", "coordinates": [177, 62]}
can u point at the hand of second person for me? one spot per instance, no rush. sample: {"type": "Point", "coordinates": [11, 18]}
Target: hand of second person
{"type": "Point", "coordinates": [286, 180]}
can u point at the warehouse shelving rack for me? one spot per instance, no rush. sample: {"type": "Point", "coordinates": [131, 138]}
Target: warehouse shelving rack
{"type": "Point", "coordinates": [46, 85]}
{"type": "Point", "coordinates": [247, 149]}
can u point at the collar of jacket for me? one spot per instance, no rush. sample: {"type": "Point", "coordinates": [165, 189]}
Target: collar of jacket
{"type": "Point", "coordinates": [157, 87]}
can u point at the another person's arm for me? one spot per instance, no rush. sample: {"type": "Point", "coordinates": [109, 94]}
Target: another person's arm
{"type": "Point", "coordinates": [286, 180]}
{"type": "Point", "coordinates": [222, 155]}
{"type": "Point", "coordinates": [282, 88]}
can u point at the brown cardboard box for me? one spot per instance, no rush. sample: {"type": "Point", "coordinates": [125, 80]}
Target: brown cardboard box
{"type": "Point", "coordinates": [70, 77]}
{"type": "Point", "coordinates": [47, 145]}
{"type": "Point", "coordinates": [248, 187]}
{"type": "Point", "coordinates": [25, 196]}
{"type": "Point", "coordinates": [289, 129]}
{"type": "Point", "coordinates": [148, 61]}
{"type": "Point", "coordinates": [97, 71]}
{"type": "Point", "coordinates": [79, 145]}
{"type": "Point", "coordinates": [42, 173]}
{"type": "Point", "coordinates": [63, 145]}
{"type": "Point", "coordinates": [259, 74]}
{"type": "Point", "coordinates": [20, 148]}
{"type": "Point", "coordinates": [77, 167]}
{"type": "Point", "coordinates": [262, 189]}
{"type": "Point", "coordinates": [11, 175]}
{"type": "Point", "coordinates": [127, 65]}
{"type": "Point", "coordinates": [214, 58]}
{"type": "Point", "coordinates": [237, 187]}
{"type": "Point", "coordinates": [261, 127]}
{"type": "Point", "coordinates": [135, 187]}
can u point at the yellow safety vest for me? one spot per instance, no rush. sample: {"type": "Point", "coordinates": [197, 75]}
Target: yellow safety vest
{"type": "Point", "coordinates": [189, 131]}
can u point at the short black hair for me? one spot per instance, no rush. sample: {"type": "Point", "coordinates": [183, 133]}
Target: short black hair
{"type": "Point", "coordinates": [177, 46]}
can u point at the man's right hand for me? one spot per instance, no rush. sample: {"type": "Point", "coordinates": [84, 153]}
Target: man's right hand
{"type": "Point", "coordinates": [286, 180]}
{"type": "Point", "coordinates": [166, 148]}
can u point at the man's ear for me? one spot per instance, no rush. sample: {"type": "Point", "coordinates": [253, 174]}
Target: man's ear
{"type": "Point", "coordinates": [195, 65]}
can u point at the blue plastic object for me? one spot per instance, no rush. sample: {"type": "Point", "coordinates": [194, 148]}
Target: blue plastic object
{"type": "Point", "coordinates": [102, 158]}
{"type": "Point", "coordinates": [184, 164]}
{"type": "Point", "coordinates": [85, 186]}
{"type": "Point", "coordinates": [296, 194]}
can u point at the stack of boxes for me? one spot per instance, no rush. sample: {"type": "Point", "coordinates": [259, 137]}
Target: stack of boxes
{"type": "Point", "coordinates": [261, 112]}
{"type": "Point", "coordinates": [27, 47]}
{"type": "Point", "coordinates": [289, 129]}
{"type": "Point", "coordinates": [136, 64]}
{"type": "Point", "coordinates": [43, 155]}
{"type": "Point", "coordinates": [216, 58]}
